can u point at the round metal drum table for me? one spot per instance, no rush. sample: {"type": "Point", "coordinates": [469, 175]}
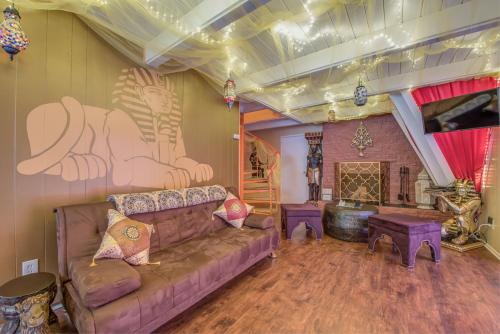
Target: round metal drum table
{"type": "Point", "coordinates": [348, 224]}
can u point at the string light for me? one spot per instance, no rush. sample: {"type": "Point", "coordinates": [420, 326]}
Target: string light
{"type": "Point", "coordinates": [257, 89]}
{"type": "Point", "coordinates": [406, 36]}
{"type": "Point", "coordinates": [234, 63]}
{"type": "Point", "coordinates": [299, 32]}
{"type": "Point", "coordinates": [299, 36]}
{"type": "Point", "coordinates": [330, 97]}
{"type": "Point", "coordinates": [294, 91]}
{"type": "Point", "coordinates": [227, 32]}
{"type": "Point", "coordinates": [291, 92]}
{"type": "Point", "coordinates": [98, 2]}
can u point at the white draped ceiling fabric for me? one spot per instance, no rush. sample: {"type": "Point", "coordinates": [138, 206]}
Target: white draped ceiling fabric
{"type": "Point", "coordinates": [301, 57]}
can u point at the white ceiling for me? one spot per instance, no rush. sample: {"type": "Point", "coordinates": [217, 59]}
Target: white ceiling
{"type": "Point", "coordinates": [294, 54]}
{"type": "Point", "coordinates": [326, 67]}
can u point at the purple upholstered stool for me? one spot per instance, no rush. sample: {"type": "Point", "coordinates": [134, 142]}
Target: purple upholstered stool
{"type": "Point", "coordinates": [294, 214]}
{"type": "Point", "coordinates": [407, 233]}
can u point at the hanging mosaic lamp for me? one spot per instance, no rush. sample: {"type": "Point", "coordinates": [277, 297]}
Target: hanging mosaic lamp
{"type": "Point", "coordinates": [332, 118]}
{"type": "Point", "coordinates": [12, 37]}
{"type": "Point", "coordinates": [360, 95]}
{"type": "Point", "coordinates": [229, 93]}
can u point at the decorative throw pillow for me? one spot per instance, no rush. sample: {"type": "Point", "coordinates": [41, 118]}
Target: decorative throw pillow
{"type": "Point", "coordinates": [234, 211]}
{"type": "Point", "coordinates": [125, 239]}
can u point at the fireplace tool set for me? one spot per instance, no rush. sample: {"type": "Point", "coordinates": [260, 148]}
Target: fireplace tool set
{"type": "Point", "coordinates": [404, 184]}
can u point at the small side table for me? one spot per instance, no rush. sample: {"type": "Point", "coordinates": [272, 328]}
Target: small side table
{"type": "Point", "coordinates": [20, 288]}
{"type": "Point", "coordinates": [294, 214]}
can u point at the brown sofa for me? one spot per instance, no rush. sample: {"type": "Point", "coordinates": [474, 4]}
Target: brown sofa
{"type": "Point", "coordinates": [197, 255]}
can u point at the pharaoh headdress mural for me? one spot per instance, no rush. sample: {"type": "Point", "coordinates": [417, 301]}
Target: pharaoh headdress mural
{"type": "Point", "coordinates": [143, 94]}
{"type": "Point", "coordinates": [139, 142]}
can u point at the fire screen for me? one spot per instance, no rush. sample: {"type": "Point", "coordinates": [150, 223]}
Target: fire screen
{"type": "Point", "coordinates": [363, 181]}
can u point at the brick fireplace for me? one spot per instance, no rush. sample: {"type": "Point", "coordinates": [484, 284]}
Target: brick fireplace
{"type": "Point", "coordinates": [389, 144]}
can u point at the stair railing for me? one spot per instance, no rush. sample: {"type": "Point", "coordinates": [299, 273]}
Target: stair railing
{"type": "Point", "coordinates": [270, 171]}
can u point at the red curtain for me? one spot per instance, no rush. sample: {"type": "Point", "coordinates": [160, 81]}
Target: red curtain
{"type": "Point", "coordinates": [464, 151]}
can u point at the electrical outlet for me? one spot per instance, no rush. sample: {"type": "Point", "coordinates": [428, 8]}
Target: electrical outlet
{"type": "Point", "coordinates": [30, 267]}
{"type": "Point", "coordinates": [491, 221]}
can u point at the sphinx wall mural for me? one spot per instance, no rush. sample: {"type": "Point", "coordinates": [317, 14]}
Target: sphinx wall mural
{"type": "Point", "coordinates": [79, 121]}
{"type": "Point", "coordinates": [141, 132]}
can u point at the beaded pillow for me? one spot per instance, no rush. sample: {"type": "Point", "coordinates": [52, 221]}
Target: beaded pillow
{"type": "Point", "coordinates": [125, 239]}
{"type": "Point", "coordinates": [234, 211]}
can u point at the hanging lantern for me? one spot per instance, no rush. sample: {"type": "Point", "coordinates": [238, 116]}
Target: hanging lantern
{"type": "Point", "coordinates": [332, 118]}
{"type": "Point", "coordinates": [12, 37]}
{"type": "Point", "coordinates": [360, 95]}
{"type": "Point", "coordinates": [229, 93]}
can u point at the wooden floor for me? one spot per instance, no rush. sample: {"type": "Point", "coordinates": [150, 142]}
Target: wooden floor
{"type": "Point", "coordinates": [333, 286]}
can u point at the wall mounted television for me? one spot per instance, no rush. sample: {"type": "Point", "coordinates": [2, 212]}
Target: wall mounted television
{"type": "Point", "coordinates": [477, 110]}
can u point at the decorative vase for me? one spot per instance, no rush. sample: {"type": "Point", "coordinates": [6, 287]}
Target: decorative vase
{"type": "Point", "coordinates": [423, 199]}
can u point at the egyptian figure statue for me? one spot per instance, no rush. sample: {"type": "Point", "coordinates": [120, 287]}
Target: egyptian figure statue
{"type": "Point", "coordinates": [314, 166]}
{"type": "Point", "coordinates": [139, 141]}
{"type": "Point", "coordinates": [465, 204]}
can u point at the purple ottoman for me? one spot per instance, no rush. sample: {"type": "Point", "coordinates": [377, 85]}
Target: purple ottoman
{"type": "Point", "coordinates": [407, 233]}
{"type": "Point", "coordinates": [294, 214]}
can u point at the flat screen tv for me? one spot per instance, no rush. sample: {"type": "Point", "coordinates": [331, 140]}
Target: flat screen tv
{"type": "Point", "coordinates": [478, 110]}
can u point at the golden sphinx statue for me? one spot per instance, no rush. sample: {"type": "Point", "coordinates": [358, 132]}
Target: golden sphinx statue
{"type": "Point", "coordinates": [465, 203]}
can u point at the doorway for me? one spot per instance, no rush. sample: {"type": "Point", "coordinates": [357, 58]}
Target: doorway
{"type": "Point", "coordinates": [294, 150]}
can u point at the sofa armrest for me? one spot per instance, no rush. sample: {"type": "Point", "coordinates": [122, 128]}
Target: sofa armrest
{"type": "Point", "coordinates": [109, 280]}
{"type": "Point", "coordinates": [259, 221]}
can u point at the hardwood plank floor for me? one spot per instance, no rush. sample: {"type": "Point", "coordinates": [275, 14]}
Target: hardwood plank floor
{"type": "Point", "coordinates": [333, 286]}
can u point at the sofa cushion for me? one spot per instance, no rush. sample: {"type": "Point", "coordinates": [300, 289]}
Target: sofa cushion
{"type": "Point", "coordinates": [101, 284]}
{"type": "Point", "coordinates": [237, 246]}
{"type": "Point", "coordinates": [127, 314]}
{"type": "Point", "coordinates": [197, 264]}
{"type": "Point", "coordinates": [186, 268]}
{"type": "Point", "coordinates": [178, 225]}
{"type": "Point", "coordinates": [259, 221]}
{"type": "Point", "coordinates": [155, 295]}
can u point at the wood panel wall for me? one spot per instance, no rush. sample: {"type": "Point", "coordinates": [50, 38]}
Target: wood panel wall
{"type": "Point", "coordinates": [491, 193]}
{"type": "Point", "coordinates": [66, 58]}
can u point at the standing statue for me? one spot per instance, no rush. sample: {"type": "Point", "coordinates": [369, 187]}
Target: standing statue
{"type": "Point", "coordinates": [465, 204]}
{"type": "Point", "coordinates": [257, 169]}
{"type": "Point", "coordinates": [314, 165]}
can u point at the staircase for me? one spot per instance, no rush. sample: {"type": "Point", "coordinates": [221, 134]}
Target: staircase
{"type": "Point", "coordinates": [262, 192]}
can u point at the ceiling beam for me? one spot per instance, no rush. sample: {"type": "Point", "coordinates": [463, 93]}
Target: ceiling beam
{"type": "Point", "coordinates": [427, 76]}
{"type": "Point", "coordinates": [250, 106]}
{"type": "Point", "coordinates": [278, 123]}
{"type": "Point", "coordinates": [201, 16]}
{"type": "Point", "coordinates": [461, 18]}
{"type": "Point", "coordinates": [409, 118]}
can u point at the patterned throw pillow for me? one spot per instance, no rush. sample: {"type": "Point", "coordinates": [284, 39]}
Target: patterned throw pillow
{"type": "Point", "coordinates": [126, 239]}
{"type": "Point", "coordinates": [234, 211]}
{"type": "Point", "coordinates": [129, 204]}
